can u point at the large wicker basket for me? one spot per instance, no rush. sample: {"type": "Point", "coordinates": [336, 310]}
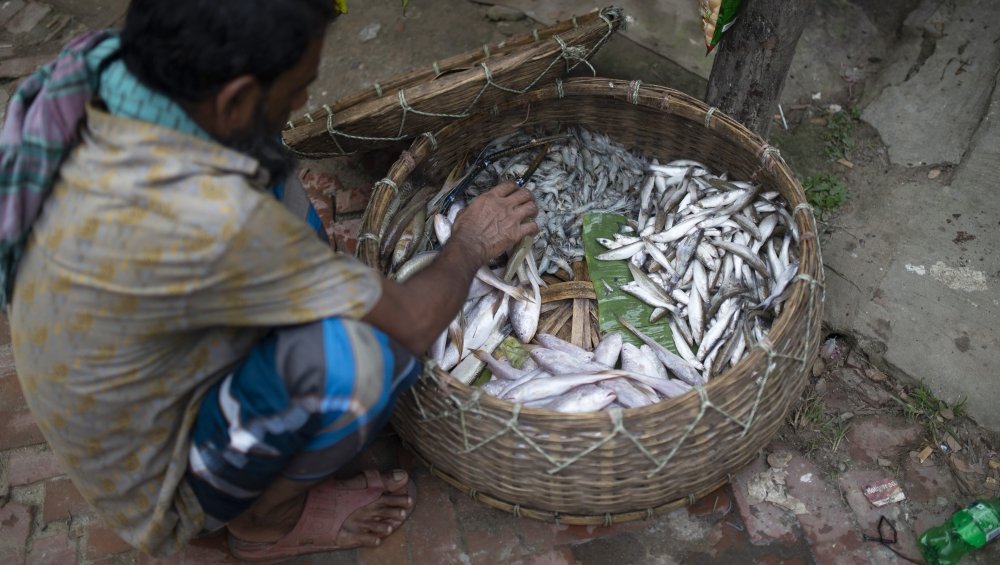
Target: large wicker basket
{"type": "Point", "coordinates": [602, 468]}
{"type": "Point", "coordinates": [427, 99]}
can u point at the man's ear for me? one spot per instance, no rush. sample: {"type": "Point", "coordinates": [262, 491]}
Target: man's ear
{"type": "Point", "coordinates": [236, 104]}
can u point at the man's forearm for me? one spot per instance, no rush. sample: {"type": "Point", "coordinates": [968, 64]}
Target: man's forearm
{"type": "Point", "coordinates": [417, 311]}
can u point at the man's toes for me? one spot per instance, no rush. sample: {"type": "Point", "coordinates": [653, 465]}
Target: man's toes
{"type": "Point", "coordinates": [357, 537]}
{"type": "Point", "coordinates": [379, 528]}
{"type": "Point", "coordinates": [395, 480]}
{"type": "Point", "coordinates": [395, 501]}
{"type": "Point", "coordinates": [389, 513]}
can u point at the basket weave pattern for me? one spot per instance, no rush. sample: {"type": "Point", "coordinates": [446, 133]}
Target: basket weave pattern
{"type": "Point", "coordinates": [427, 99]}
{"type": "Point", "coordinates": [609, 467]}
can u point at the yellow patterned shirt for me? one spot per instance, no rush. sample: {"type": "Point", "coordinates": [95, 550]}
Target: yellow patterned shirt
{"type": "Point", "coordinates": [159, 260]}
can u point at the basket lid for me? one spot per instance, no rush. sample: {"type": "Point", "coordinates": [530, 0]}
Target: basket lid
{"type": "Point", "coordinates": [427, 99]}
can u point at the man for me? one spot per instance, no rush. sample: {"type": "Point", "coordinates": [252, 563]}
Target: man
{"type": "Point", "coordinates": [194, 355]}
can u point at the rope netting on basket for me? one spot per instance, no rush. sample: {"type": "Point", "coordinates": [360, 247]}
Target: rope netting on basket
{"type": "Point", "coordinates": [465, 94]}
{"type": "Point", "coordinates": [604, 467]}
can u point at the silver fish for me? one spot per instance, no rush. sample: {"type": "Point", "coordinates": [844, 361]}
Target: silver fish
{"type": "Point", "coordinates": [674, 363]}
{"type": "Point", "coordinates": [557, 384]}
{"type": "Point", "coordinates": [627, 395]}
{"type": "Point", "coordinates": [417, 263]}
{"type": "Point", "coordinates": [559, 362]}
{"type": "Point", "coordinates": [608, 350]}
{"type": "Point", "coordinates": [501, 369]}
{"type": "Point", "coordinates": [587, 398]}
{"type": "Point", "coordinates": [524, 315]}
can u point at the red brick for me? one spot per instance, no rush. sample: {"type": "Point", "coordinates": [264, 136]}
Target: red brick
{"type": "Point", "coordinates": [17, 427]}
{"type": "Point", "coordinates": [345, 233]}
{"type": "Point", "coordinates": [58, 548]}
{"type": "Point", "coordinates": [212, 550]}
{"type": "Point", "coordinates": [925, 482]}
{"type": "Point", "coordinates": [433, 531]}
{"type": "Point", "coordinates": [852, 484]}
{"type": "Point", "coordinates": [15, 527]}
{"type": "Point", "coordinates": [102, 542]}
{"type": "Point", "coordinates": [319, 185]}
{"type": "Point", "coordinates": [871, 437]}
{"type": "Point", "coordinates": [828, 525]}
{"type": "Point", "coordinates": [765, 522]}
{"type": "Point", "coordinates": [26, 468]}
{"type": "Point", "coordinates": [62, 500]}
{"type": "Point", "coordinates": [354, 199]}
{"type": "Point", "coordinates": [538, 535]}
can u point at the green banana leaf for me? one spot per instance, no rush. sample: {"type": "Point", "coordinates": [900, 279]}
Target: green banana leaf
{"type": "Point", "coordinates": [613, 274]}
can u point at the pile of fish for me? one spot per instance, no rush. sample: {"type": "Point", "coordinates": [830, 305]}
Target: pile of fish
{"type": "Point", "coordinates": [586, 172]}
{"type": "Point", "coordinates": [714, 258]}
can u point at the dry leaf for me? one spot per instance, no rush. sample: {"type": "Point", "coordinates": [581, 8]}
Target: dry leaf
{"type": "Point", "coordinates": [964, 467]}
{"type": "Point", "coordinates": [948, 414]}
{"type": "Point", "coordinates": [875, 375]}
{"type": "Point", "coordinates": [952, 443]}
{"type": "Point", "coordinates": [934, 173]}
{"type": "Point", "coordinates": [846, 163]}
{"type": "Point", "coordinates": [779, 460]}
{"type": "Point", "coordinates": [995, 464]}
{"type": "Point", "coordinates": [818, 121]}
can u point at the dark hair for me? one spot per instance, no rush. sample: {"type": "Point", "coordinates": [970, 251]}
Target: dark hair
{"type": "Point", "coordinates": [189, 49]}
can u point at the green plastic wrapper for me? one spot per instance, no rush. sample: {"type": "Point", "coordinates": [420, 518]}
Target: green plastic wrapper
{"type": "Point", "coordinates": [717, 16]}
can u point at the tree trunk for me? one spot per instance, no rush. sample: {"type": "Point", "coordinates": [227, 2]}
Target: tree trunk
{"type": "Point", "coordinates": [753, 60]}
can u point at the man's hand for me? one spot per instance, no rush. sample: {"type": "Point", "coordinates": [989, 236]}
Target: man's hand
{"type": "Point", "coordinates": [416, 312]}
{"type": "Point", "coordinates": [495, 222]}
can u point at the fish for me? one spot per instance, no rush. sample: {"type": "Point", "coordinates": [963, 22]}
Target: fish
{"type": "Point", "coordinates": [608, 350]}
{"type": "Point", "coordinates": [524, 314]}
{"type": "Point", "coordinates": [560, 362]}
{"type": "Point", "coordinates": [625, 393]}
{"type": "Point", "coordinates": [674, 363]}
{"type": "Point", "coordinates": [408, 241]}
{"type": "Point", "coordinates": [491, 278]}
{"type": "Point", "coordinates": [552, 342]}
{"type": "Point", "coordinates": [780, 284]}
{"type": "Point", "coordinates": [557, 384]}
{"type": "Point", "coordinates": [669, 388]}
{"type": "Point", "coordinates": [501, 369]}
{"type": "Point", "coordinates": [417, 263]}
{"type": "Point", "coordinates": [485, 319]}
{"type": "Point", "coordinates": [586, 398]}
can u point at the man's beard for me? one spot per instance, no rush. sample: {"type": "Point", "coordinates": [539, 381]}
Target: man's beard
{"type": "Point", "coordinates": [264, 145]}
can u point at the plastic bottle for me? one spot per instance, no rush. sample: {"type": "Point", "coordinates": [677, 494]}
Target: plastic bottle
{"type": "Point", "coordinates": [968, 529]}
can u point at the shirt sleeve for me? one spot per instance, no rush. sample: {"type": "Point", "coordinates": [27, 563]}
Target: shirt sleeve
{"type": "Point", "coordinates": [275, 272]}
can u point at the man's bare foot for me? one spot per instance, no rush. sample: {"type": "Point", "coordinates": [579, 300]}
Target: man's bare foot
{"type": "Point", "coordinates": [364, 525]}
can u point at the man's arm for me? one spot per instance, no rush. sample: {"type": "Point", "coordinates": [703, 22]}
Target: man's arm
{"type": "Point", "coordinates": [417, 311]}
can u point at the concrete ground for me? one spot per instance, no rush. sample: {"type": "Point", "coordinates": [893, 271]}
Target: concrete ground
{"type": "Point", "coordinates": [912, 293]}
